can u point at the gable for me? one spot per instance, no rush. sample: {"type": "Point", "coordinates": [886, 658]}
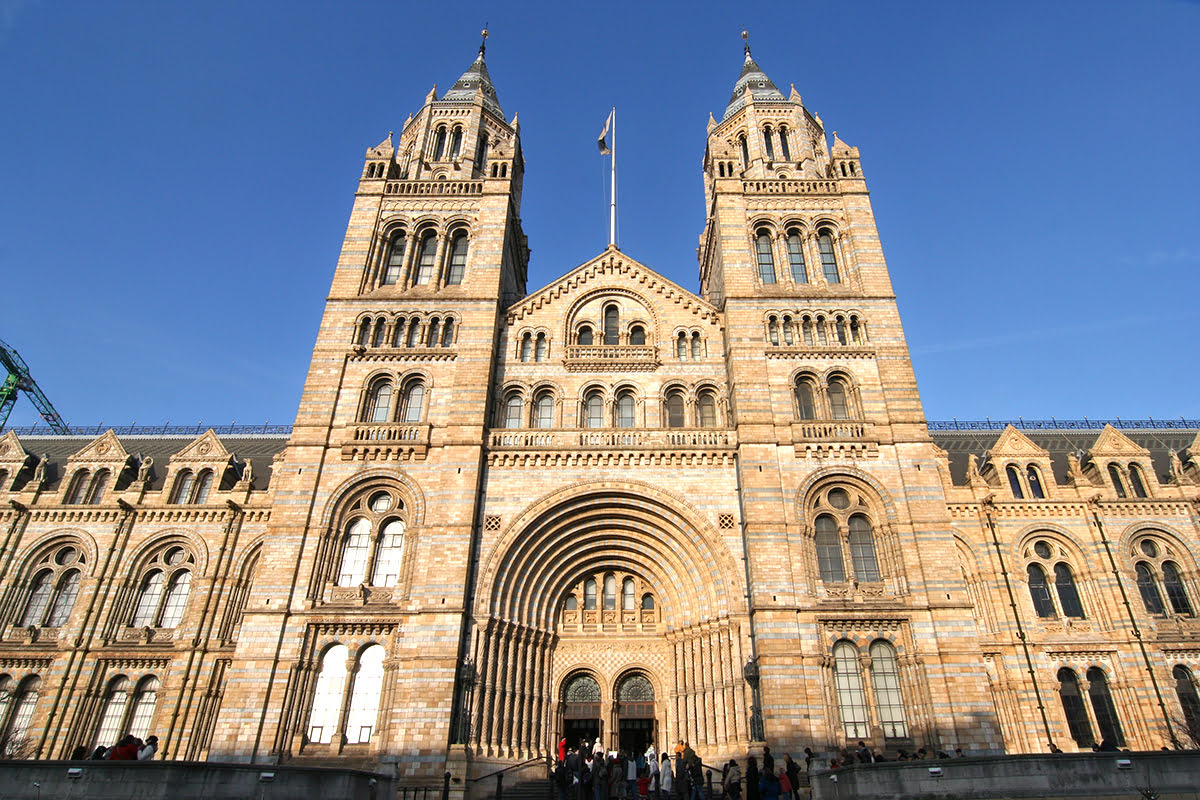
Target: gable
{"type": "Point", "coordinates": [12, 452]}
{"type": "Point", "coordinates": [1014, 443]}
{"type": "Point", "coordinates": [1111, 442]}
{"type": "Point", "coordinates": [106, 449]}
{"type": "Point", "coordinates": [207, 448]}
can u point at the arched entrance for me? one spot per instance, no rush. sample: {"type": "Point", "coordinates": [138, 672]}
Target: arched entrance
{"type": "Point", "coordinates": [635, 713]}
{"type": "Point", "coordinates": [581, 709]}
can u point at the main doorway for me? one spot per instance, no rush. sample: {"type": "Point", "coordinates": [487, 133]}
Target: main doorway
{"type": "Point", "coordinates": [581, 710]}
{"type": "Point", "coordinates": [635, 714]}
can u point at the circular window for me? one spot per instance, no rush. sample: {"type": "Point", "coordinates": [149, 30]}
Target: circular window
{"type": "Point", "coordinates": [175, 556]}
{"type": "Point", "coordinates": [1042, 549]}
{"type": "Point", "coordinates": [66, 556]}
{"type": "Point", "coordinates": [838, 498]}
{"type": "Point", "coordinates": [380, 502]}
{"type": "Point", "coordinates": [1149, 548]}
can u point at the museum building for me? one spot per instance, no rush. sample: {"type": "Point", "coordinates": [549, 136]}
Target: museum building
{"type": "Point", "coordinates": [609, 508]}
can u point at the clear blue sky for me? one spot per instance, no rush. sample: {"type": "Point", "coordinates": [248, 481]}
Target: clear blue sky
{"type": "Point", "coordinates": [175, 179]}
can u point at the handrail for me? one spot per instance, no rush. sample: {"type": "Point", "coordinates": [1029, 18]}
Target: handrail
{"type": "Point", "coordinates": [506, 769]}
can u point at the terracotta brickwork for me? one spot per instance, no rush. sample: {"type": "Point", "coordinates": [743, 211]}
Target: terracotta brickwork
{"type": "Point", "coordinates": [611, 507]}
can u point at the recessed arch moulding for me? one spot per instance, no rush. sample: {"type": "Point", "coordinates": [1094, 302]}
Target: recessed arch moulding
{"type": "Point", "coordinates": [693, 654]}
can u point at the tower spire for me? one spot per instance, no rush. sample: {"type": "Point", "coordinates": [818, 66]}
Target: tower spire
{"type": "Point", "coordinates": [752, 78]}
{"type": "Point", "coordinates": [475, 78]}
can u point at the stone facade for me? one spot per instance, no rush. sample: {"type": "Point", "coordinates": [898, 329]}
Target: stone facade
{"type": "Point", "coordinates": [610, 507]}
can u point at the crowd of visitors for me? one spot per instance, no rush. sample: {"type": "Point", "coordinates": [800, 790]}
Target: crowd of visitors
{"type": "Point", "coordinates": [129, 748]}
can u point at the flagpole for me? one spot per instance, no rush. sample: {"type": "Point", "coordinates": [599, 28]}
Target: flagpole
{"type": "Point", "coordinates": [612, 208]}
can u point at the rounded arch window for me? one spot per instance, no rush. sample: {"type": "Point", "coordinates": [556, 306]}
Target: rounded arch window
{"type": "Point", "coordinates": [764, 255]}
{"type": "Point", "coordinates": [706, 404]}
{"type": "Point", "coordinates": [829, 265]}
{"type": "Point", "coordinates": [1158, 576]}
{"type": "Point", "coordinates": [839, 402]}
{"type": "Point", "coordinates": [636, 689]}
{"type": "Point", "coordinates": [637, 335]}
{"type": "Point", "coordinates": [675, 409]}
{"type": "Point", "coordinates": [581, 689]}
{"type": "Point", "coordinates": [394, 263]}
{"type": "Point", "coordinates": [612, 324]}
{"type": "Point", "coordinates": [806, 402]}
{"type": "Point", "coordinates": [412, 400]}
{"type": "Point", "coordinates": [458, 259]}
{"type": "Point", "coordinates": [543, 410]}
{"type": "Point", "coordinates": [372, 541]}
{"type": "Point", "coordinates": [584, 337]}
{"type": "Point", "coordinates": [514, 405]}
{"type": "Point", "coordinates": [593, 409]}
{"type": "Point", "coordinates": [625, 409]}
{"type": "Point", "coordinates": [53, 589]}
{"type": "Point", "coordinates": [378, 405]}
{"type": "Point", "coordinates": [164, 589]}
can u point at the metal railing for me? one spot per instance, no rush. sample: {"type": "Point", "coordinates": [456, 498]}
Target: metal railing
{"type": "Point", "coordinates": [166, 429]}
{"type": "Point", "coordinates": [1053, 424]}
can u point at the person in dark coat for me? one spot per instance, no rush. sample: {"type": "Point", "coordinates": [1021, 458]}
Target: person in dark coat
{"type": "Point", "coordinates": [768, 761]}
{"type": "Point", "coordinates": [793, 772]}
{"type": "Point", "coordinates": [752, 779]}
{"type": "Point", "coordinates": [768, 786]}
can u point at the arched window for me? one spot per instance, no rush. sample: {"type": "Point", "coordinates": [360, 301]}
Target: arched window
{"type": "Point", "coordinates": [628, 598]}
{"type": "Point", "coordinates": [1189, 702]}
{"type": "Point", "coordinates": [172, 570]}
{"type": "Point", "coordinates": [852, 700]}
{"type": "Point", "coordinates": [481, 151]}
{"type": "Point", "coordinates": [1074, 709]}
{"type": "Point", "coordinates": [39, 598]}
{"type": "Point", "coordinates": [448, 332]}
{"type": "Point", "coordinates": [681, 346]}
{"type": "Point", "coordinates": [378, 405]}
{"type": "Point", "coordinates": [593, 409]}
{"type": "Point", "coordinates": [795, 249]}
{"type": "Point", "coordinates": [14, 724]}
{"type": "Point", "coordinates": [647, 602]}
{"type": "Point", "coordinates": [455, 143]}
{"type": "Point", "coordinates": [625, 409]}
{"type": "Point", "coordinates": [412, 405]}
{"type": "Point", "coordinates": [176, 599]}
{"type": "Point", "coordinates": [773, 330]}
{"type": "Point", "coordinates": [96, 489]}
{"type": "Point", "coordinates": [53, 589]}
{"type": "Point", "coordinates": [458, 259]}
{"type": "Point", "coordinates": [395, 260]}
{"type": "Point", "coordinates": [1035, 482]}
{"type": "Point", "coordinates": [414, 333]}
{"type": "Point", "coordinates": [439, 144]}
{"type": "Point", "coordinates": [64, 599]}
{"type": "Point", "coordinates": [373, 542]}
{"type": "Point", "coordinates": [78, 487]}
{"type": "Point", "coordinates": [571, 603]}
{"type": "Point", "coordinates": [610, 592]}
{"type": "Point", "coordinates": [4, 480]}
{"type": "Point", "coordinates": [432, 336]}
{"type": "Point", "coordinates": [1136, 482]}
{"type": "Point", "coordinates": [327, 699]}
{"type": "Point", "coordinates": [769, 144]}
{"type": "Point", "coordinates": [828, 259]}
{"type": "Point", "coordinates": [527, 347]}
{"type": "Point", "coordinates": [364, 699]}
{"type": "Point", "coordinates": [1068, 594]}
{"type": "Point", "coordinates": [1148, 588]}
{"type": "Point", "coordinates": [675, 418]}
{"type": "Point", "coordinates": [389, 554]}
{"type": "Point", "coordinates": [1176, 594]}
{"type": "Point", "coordinates": [112, 715]}
{"type": "Point", "coordinates": [543, 411]}
{"type": "Point", "coordinates": [766, 259]}
{"type": "Point", "coordinates": [364, 333]}
{"type": "Point", "coordinates": [695, 346]}
{"type": "Point", "coordinates": [885, 682]}
{"type": "Point", "coordinates": [354, 556]}
{"type": "Point", "coordinates": [204, 484]}
{"type": "Point", "coordinates": [1103, 708]}
{"type": "Point", "coordinates": [1014, 482]}
{"type": "Point", "coordinates": [637, 335]}
{"type": "Point", "coordinates": [707, 405]}
{"type": "Point", "coordinates": [1114, 475]}
{"type": "Point", "coordinates": [808, 330]}
{"type": "Point", "coordinates": [149, 599]}
{"type": "Point", "coordinates": [862, 549]}
{"type": "Point", "coordinates": [513, 405]}
{"type": "Point", "coordinates": [745, 152]}
{"type": "Point", "coordinates": [855, 331]}
{"type": "Point", "coordinates": [541, 348]}
{"type": "Point", "coordinates": [145, 699]}
{"type": "Point", "coordinates": [425, 259]}
{"type": "Point", "coordinates": [589, 594]}
{"type": "Point", "coordinates": [1039, 591]}
{"type": "Point", "coordinates": [611, 325]}
{"type": "Point", "coordinates": [829, 550]}
{"type": "Point", "coordinates": [806, 405]}
{"type": "Point", "coordinates": [839, 326]}
{"type": "Point", "coordinates": [787, 331]}
{"type": "Point", "coordinates": [839, 406]}
{"type": "Point", "coordinates": [585, 335]}
{"type": "Point", "coordinates": [380, 330]}
{"type": "Point", "coordinates": [783, 144]}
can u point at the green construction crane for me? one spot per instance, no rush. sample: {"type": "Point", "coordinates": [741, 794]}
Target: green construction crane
{"type": "Point", "coordinates": [19, 380]}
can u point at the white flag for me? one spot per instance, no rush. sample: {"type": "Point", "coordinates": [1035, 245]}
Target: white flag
{"type": "Point", "coordinates": [604, 148]}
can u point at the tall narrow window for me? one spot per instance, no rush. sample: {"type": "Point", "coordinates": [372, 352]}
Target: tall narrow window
{"type": "Point", "coordinates": [787, 331]}
{"type": "Point", "coordinates": [176, 600]}
{"type": "Point", "coordinates": [439, 144]}
{"type": "Point", "coordinates": [585, 335]}
{"type": "Point", "coordinates": [611, 325]}
{"type": "Point", "coordinates": [839, 326]}
{"type": "Point", "coordinates": [1176, 594]}
{"type": "Point", "coordinates": [99, 484]}
{"type": "Point", "coordinates": [1189, 701]}
{"type": "Point", "coordinates": [1136, 482]}
{"type": "Point", "coordinates": [115, 699]}
{"type": "Point", "coordinates": [625, 410]}
{"type": "Point", "coordinates": [1035, 482]}
{"type": "Point", "coordinates": [675, 409]}
{"type": "Point", "coordinates": [773, 330]}
{"type": "Point", "coordinates": [745, 152]}
{"type": "Point", "coordinates": [78, 487]}
{"type": "Point", "coordinates": [145, 698]}
{"type": "Point", "coordinates": [380, 330]}
{"type": "Point", "coordinates": [16, 737]}
{"type": "Point", "coordinates": [1102, 706]}
{"type": "Point", "coordinates": [414, 401]}
{"type": "Point", "coordinates": [543, 410]}
{"type": "Point", "coordinates": [808, 331]}
{"type": "Point", "coordinates": [1148, 589]}
{"type": "Point", "coordinates": [327, 699]}
{"type": "Point", "coordinates": [795, 249]}
{"type": "Point", "coordinates": [432, 336]}
{"type": "Point", "coordinates": [39, 599]}
{"type": "Point", "coordinates": [839, 406]}
{"type": "Point", "coordinates": [1068, 593]}
{"type": "Point", "coordinates": [695, 346]}
{"type": "Point", "coordinates": [806, 405]}
{"type": "Point", "coordinates": [354, 557]}
{"type": "Point", "coordinates": [1114, 475]}
{"type": "Point", "coordinates": [1014, 482]}
{"type": "Point", "coordinates": [681, 346]}
{"type": "Point", "coordinates": [512, 411]}
{"type": "Point", "coordinates": [852, 700]}
{"type": "Point", "coordinates": [527, 347]}
{"type": "Point", "coordinates": [821, 338]}
{"type": "Point", "coordinates": [637, 335]}
{"type": "Point", "coordinates": [784, 150]}
{"type": "Point", "coordinates": [458, 260]}
{"type": "Point", "coordinates": [1074, 709]}
{"type": "Point", "coordinates": [766, 260]}
{"type": "Point", "coordinates": [828, 259]}
{"type": "Point", "coordinates": [862, 549]}
{"type": "Point", "coordinates": [481, 152]}
{"type": "Point", "coordinates": [593, 411]}
{"type": "Point", "coordinates": [885, 681]}
{"type": "Point", "coordinates": [64, 599]}
{"type": "Point", "coordinates": [448, 332]}
{"type": "Point", "coordinates": [769, 144]}
{"type": "Point", "coordinates": [425, 259]}
{"type": "Point", "coordinates": [395, 260]}
{"type": "Point", "coordinates": [379, 402]}
{"type": "Point", "coordinates": [589, 594]}
{"type": "Point", "coordinates": [707, 403]}
{"type": "Point", "coordinates": [610, 592]}
{"type": "Point", "coordinates": [364, 700]}
{"type": "Point", "coordinates": [541, 348]}
{"type": "Point", "coordinates": [148, 599]}
{"type": "Point", "coordinates": [1039, 591]}
{"type": "Point", "coordinates": [204, 484]}
{"type": "Point", "coordinates": [389, 554]}
{"type": "Point", "coordinates": [455, 143]}
{"type": "Point", "coordinates": [414, 333]}
{"type": "Point", "coordinates": [628, 599]}
{"type": "Point", "coordinates": [829, 550]}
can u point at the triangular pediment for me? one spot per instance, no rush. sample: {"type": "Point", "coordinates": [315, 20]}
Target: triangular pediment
{"type": "Point", "coordinates": [614, 269]}
{"type": "Point", "coordinates": [106, 448]}
{"type": "Point", "coordinates": [11, 449]}
{"type": "Point", "coordinates": [207, 447]}
{"type": "Point", "coordinates": [1014, 443]}
{"type": "Point", "coordinates": [1193, 449]}
{"type": "Point", "coordinates": [1111, 442]}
